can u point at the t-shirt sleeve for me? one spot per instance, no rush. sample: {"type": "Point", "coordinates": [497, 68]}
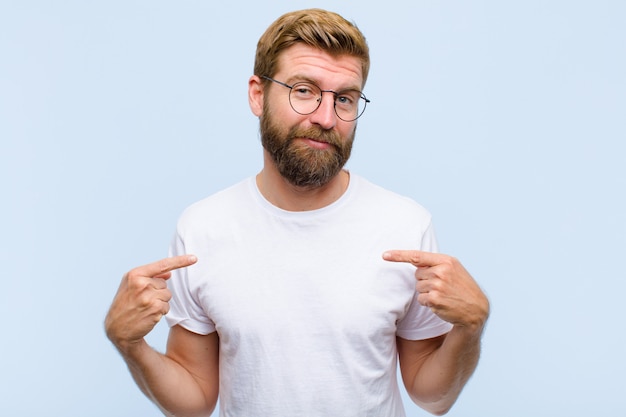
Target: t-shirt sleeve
{"type": "Point", "coordinates": [185, 309]}
{"type": "Point", "coordinates": [420, 322]}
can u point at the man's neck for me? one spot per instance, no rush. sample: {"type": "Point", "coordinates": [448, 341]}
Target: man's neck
{"type": "Point", "coordinates": [281, 193]}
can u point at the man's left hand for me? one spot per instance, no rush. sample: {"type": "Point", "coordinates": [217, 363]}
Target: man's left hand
{"type": "Point", "coordinates": [446, 287]}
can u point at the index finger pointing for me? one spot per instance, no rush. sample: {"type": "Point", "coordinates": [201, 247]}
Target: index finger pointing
{"type": "Point", "coordinates": [415, 257]}
{"type": "Point", "coordinates": [162, 268]}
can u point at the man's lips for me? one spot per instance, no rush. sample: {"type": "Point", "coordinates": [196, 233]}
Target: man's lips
{"type": "Point", "coordinates": [316, 143]}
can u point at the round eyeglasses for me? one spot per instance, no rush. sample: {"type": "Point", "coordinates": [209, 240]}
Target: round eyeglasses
{"type": "Point", "coordinates": [306, 97]}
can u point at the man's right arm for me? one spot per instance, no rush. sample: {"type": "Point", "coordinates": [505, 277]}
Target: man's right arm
{"type": "Point", "coordinates": [182, 382]}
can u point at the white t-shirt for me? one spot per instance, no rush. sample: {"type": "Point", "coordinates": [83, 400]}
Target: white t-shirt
{"type": "Point", "coordinates": [306, 309]}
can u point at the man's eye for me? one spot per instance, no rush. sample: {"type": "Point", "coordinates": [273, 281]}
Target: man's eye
{"type": "Point", "coordinates": [346, 100]}
{"type": "Point", "coordinates": [305, 91]}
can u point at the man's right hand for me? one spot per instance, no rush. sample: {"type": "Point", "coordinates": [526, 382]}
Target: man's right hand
{"type": "Point", "coordinates": [141, 301]}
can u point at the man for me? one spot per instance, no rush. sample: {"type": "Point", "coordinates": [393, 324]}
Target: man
{"type": "Point", "coordinates": [297, 304]}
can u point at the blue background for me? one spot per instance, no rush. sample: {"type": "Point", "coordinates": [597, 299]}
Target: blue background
{"type": "Point", "coordinates": [505, 119]}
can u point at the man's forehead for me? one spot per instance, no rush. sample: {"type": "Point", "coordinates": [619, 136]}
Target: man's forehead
{"type": "Point", "coordinates": [317, 65]}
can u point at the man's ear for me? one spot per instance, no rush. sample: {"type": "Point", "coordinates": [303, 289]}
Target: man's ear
{"type": "Point", "coordinates": [255, 95]}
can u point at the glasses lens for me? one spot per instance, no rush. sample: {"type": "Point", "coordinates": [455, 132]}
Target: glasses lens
{"type": "Point", "coordinates": [305, 98]}
{"type": "Point", "coordinates": [349, 105]}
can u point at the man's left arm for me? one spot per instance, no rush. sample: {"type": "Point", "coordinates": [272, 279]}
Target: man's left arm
{"type": "Point", "coordinates": [435, 370]}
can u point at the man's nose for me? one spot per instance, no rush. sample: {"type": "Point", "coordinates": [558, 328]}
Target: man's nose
{"type": "Point", "coordinates": [325, 115]}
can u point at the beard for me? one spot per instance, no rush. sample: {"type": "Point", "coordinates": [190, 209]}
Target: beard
{"type": "Point", "coordinates": [302, 165]}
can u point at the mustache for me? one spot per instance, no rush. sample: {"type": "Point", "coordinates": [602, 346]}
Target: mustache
{"type": "Point", "coordinates": [315, 133]}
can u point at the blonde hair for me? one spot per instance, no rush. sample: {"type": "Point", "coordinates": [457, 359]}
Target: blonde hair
{"type": "Point", "coordinates": [317, 28]}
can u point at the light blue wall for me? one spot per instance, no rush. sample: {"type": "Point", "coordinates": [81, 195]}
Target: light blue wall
{"type": "Point", "coordinates": [505, 119]}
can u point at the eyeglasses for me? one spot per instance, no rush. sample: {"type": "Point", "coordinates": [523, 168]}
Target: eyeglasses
{"type": "Point", "coordinates": [306, 97]}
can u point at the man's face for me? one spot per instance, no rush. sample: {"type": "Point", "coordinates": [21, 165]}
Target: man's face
{"type": "Point", "coordinates": [309, 150]}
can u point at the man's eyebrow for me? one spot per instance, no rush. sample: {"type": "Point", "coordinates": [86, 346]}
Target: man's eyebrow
{"type": "Point", "coordinates": [297, 78]}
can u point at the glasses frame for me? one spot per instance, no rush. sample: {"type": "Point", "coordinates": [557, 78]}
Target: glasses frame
{"type": "Point", "coordinates": [319, 102]}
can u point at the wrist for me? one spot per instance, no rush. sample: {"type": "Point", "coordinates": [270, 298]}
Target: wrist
{"type": "Point", "coordinates": [474, 322]}
{"type": "Point", "coordinates": [130, 349]}
{"type": "Point", "coordinates": [470, 330]}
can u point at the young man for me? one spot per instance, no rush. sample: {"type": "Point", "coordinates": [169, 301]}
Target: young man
{"type": "Point", "coordinates": [297, 304]}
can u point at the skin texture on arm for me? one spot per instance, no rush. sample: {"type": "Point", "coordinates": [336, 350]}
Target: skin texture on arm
{"type": "Point", "coordinates": [182, 382]}
{"type": "Point", "coordinates": [435, 370]}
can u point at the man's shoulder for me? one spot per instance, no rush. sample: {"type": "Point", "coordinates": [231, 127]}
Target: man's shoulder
{"type": "Point", "coordinates": [386, 199]}
{"type": "Point", "coordinates": [224, 201]}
